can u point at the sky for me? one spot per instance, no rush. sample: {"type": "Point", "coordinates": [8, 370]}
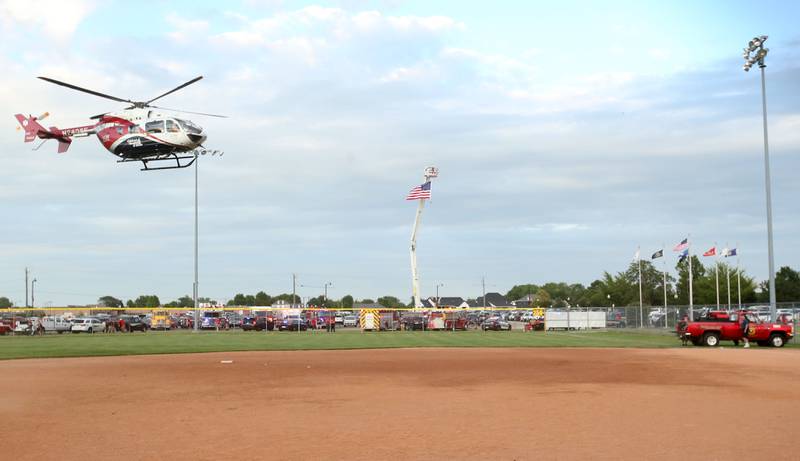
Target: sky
{"type": "Point", "coordinates": [567, 134]}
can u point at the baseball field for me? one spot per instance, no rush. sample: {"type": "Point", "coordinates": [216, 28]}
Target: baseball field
{"type": "Point", "coordinates": [401, 395]}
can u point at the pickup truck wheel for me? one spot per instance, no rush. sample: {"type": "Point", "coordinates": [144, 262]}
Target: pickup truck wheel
{"type": "Point", "coordinates": [711, 339]}
{"type": "Point", "coordinates": [776, 340]}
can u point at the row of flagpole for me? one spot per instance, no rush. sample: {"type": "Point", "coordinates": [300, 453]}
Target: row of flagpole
{"type": "Point", "coordinates": [684, 252]}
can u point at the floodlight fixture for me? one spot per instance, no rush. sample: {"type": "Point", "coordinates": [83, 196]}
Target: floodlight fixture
{"type": "Point", "coordinates": [755, 53]}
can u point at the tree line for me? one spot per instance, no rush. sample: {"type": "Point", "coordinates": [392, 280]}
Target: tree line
{"type": "Point", "coordinates": [620, 289]}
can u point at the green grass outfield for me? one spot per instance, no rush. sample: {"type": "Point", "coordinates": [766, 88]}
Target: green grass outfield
{"type": "Point", "coordinates": [173, 342]}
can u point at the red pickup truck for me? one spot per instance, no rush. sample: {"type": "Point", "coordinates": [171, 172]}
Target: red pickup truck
{"type": "Point", "coordinates": [719, 326]}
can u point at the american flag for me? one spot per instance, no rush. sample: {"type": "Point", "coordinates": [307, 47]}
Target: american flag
{"type": "Point", "coordinates": [682, 246]}
{"type": "Point", "coordinates": [422, 191]}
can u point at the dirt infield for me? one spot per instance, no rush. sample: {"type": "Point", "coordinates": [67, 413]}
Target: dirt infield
{"type": "Point", "coordinates": [405, 404]}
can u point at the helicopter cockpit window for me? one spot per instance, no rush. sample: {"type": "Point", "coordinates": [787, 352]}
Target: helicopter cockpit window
{"type": "Point", "coordinates": [155, 127]}
{"type": "Point", "coordinates": [190, 127]}
{"type": "Point", "coordinates": [172, 127]}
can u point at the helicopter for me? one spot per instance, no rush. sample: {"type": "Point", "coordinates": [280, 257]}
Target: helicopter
{"type": "Point", "coordinates": [138, 133]}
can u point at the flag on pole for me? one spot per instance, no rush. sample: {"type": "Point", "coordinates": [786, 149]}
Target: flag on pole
{"type": "Point", "coordinates": [684, 254]}
{"type": "Point", "coordinates": [636, 256]}
{"type": "Point", "coordinates": [729, 252]}
{"type": "Point", "coordinates": [711, 252]}
{"type": "Point", "coordinates": [658, 254]}
{"type": "Point", "coordinates": [422, 191]}
{"type": "Point", "coordinates": [682, 246]}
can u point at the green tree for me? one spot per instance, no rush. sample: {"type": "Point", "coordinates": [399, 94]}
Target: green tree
{"type": "Point", "coordinates": [652, 284]}
{"type": "Point", "coordinates": [5, 303]}
{"type": "Point", "coordinates": [262, 299]}
{"type": "Point", "coordinates": [347, 302]}
{"type": "Point", "coordinates": [367, 301]}
{"type": "Point", "coordinates": [787, 285]}
{"type": "Point", "coordinates": [183, 301]}
{"type": "Point", "coordinates": [390, 301]}
{"type": "Point", "coordinates": [147, 301]}
{"type": "Point", "coordinates": [541, 298]}
{"type": "Point", "coordinates": [130, 303]}
{"type": "Point", "coordinates": [238, 300]}
{"type": "Point", "coordinates": [109, 301]}
{"type": "Point", "coordinates": [698, 273]}
{"type": "Point", "coordinates": [287, 298]}
{"type": "Point", "coordinates": [520, 291]}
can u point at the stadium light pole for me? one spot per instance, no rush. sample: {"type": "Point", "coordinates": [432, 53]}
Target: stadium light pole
{"type": "Point", "coordinates": [196, 288]}
{"type": "Point", "coordinates": [755, 54]}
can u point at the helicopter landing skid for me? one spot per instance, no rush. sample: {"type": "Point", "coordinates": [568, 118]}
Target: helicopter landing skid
{"type": "Point", "coordinates": [161, 158]}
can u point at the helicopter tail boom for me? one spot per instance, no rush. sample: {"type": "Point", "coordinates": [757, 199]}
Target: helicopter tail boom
{"type": "Point", "coordinates": [34, 130]}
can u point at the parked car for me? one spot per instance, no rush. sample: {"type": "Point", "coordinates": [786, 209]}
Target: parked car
{"type": "Point", "coordinates": [350, 321]}
{"type": "Point", "coordinates": [214, 321]}
{"type": "Point", "coordinates": [248, 323]}
{"type": "Point", "coordinates": [88, 325]}
{"type": "Point", "coordinates": [265, 320]}
{"type": "Point", "coordinates": [131, 323]}
{"type": "Point", "coordinates": [495, 324]}
{"type": "Point", "coordinates": [293, 323]}
{"type": "Point", "coordinates": [413, 323]}
{"type": "Point", "coordinates": [24, 325]}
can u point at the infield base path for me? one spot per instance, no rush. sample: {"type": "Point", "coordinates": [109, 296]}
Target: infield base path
{"type": "Point", "coordinates": [451, 404]}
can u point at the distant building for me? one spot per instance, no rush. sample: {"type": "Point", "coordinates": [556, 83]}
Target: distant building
{"type": "Point", "coordinates": [525, 301]}
{"type": "Point", "coordinates": [493, 300]}
{"type": "Point", "coordinates": [445, 301]}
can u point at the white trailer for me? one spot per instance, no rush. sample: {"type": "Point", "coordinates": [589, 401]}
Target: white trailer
{"type": "Point", "coordinates": [574, 320]}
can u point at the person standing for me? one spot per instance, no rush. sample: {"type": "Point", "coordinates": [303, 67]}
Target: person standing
{"type": "Point", "coordinates": [745, 330]}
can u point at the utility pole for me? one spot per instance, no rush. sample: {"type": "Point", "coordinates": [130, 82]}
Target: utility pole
{"type": "Point", "coordinates": [483, 285]}
{"type": "Point", "coordinates": [294, 289]}
{"type": "Point", "coordinates": [26, 288]}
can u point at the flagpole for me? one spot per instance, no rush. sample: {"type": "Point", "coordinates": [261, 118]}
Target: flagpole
{"type": "Point", "coordinates": [666, 314]}
{"type": "Point", "coordinates": [738, 277]}
{"type": "Point", "coordinates": [716, 271]}
{"type": "Point", "coordinates": [641, 311]}
{"type": "Point", "coordinates": [728, 273]}
{"type": "Point", "coordinates": [691, 297]}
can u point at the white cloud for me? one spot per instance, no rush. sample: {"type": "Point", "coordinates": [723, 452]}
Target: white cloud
{"type": "Point", "coordinates": [53, 18]}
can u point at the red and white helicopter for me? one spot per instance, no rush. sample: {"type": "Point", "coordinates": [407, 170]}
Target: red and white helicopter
{"type": "Point", "coordinates": [138, 133]}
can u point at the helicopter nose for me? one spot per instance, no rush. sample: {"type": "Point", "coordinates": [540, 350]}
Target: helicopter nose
{"type": "Point", "coordinates": [197, 138]}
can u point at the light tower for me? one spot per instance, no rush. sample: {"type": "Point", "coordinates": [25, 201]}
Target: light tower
{"type": "Point", "coordinates": [755, 54]}
{"type": "Point", "coordinates": [430, 173]}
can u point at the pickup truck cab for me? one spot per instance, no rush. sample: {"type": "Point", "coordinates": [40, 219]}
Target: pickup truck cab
{"type": "Point", "coordinates": [719, 326]}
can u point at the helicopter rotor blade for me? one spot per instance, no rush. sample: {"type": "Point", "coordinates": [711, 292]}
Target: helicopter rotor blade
{"type": "Point", "coordinates": [189, 112]}
{"type": "Point", "coordinates": [92, 92]}
{"type": "Point", "coordinates": [174, 89]}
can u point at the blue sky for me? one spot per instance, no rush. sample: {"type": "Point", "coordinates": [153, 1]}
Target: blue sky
{"type": "Point", "coordinates": [566, 134]}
